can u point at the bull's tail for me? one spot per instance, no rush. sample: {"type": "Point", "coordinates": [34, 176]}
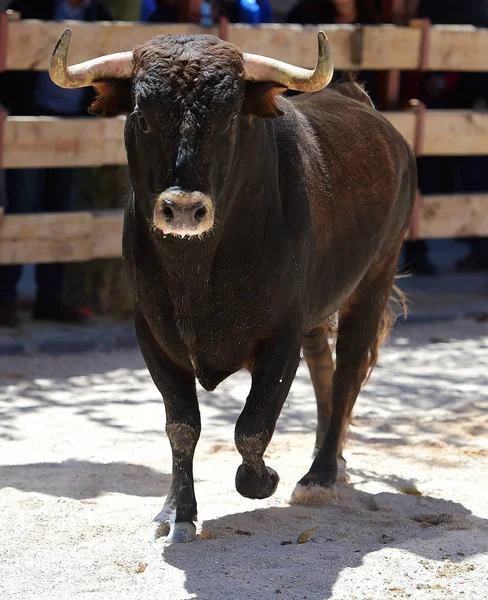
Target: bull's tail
{"type": "Point", "coordinates": [398, 303]}
{"type": "Point", "coordinates": [398, 299]}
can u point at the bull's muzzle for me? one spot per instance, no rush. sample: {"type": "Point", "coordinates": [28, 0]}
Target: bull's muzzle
{"type": "Point", "coordinates": [183, 214]}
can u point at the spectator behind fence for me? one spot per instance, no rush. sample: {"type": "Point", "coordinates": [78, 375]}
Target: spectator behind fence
{"type": "Point", "coordinates": [148, 7]}
{"type": "Point", "coordinates": [315, 12]}
{"type": "Point", "coordinates": [43, 190]}
{"type": "Point", "coordinates": [167, 11]}
{"type": "Point", "coordinates": [333, 11]}
{"type": "Point", "coordinates": [460, 174]}
{"type": "Point", "coordinates": [3, 192]}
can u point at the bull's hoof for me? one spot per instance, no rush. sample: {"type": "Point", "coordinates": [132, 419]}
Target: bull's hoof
{"type": "Point", "coordinates": [314, 495]}
{"type": "Point", "coordinates": [180, 533]}
{"type": "Point", "coordinates": [173, 533]}
{"type": "Point", "coordinates": [256, 484]}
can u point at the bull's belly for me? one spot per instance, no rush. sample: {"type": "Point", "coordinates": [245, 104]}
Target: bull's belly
{"type": "Point", "coordinates": [212, 354]}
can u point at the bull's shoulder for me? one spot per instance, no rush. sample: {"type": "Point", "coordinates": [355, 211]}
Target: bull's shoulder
{"type": "Point", "coordinates": [341, 119]}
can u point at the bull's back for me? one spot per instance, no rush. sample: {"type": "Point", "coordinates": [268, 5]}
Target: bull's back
{"type": "Point", "coordinates": [365, 173]}
{"type": "Point", "coordinates": [361, 188]}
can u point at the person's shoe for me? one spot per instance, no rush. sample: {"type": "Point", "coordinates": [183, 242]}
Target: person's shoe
{"type": "Point", "coordinates": [472, 263]}
{"type": "Point", "coordinates": [9, 317]}
{"type": "Point", "coordinates": [60, 312]}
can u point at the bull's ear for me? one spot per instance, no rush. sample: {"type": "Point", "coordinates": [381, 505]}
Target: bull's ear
{"type": "Point", "coordinates": [113, 97]}
{"type": "Point", "coordinates": [262, 99]}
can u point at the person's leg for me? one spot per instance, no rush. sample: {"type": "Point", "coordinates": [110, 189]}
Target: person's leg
{"type": "Point", "coordinates": [61, 187]}
{"type": "Point", "coordinates": [23, 188]}
{"type": "Point", "coordinates": [417, 259]}
{"type": "Point", "coordinates": [435, 176]}
{"type": "Point", "coordinates": [474, 179]}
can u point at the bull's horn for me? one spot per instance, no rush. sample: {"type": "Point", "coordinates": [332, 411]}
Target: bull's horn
{"type": "Point", "coordinates": [112, 66]}
{"type": "Point", "coordinates": [262, 68]}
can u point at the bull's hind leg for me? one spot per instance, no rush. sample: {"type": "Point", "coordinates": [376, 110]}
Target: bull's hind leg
{"type": "Point", "coordinates": [177, 387]}
{"type": "Point", "coordinates": [363, 323]}
{"type": "Point", "coordinates": [318, 355]}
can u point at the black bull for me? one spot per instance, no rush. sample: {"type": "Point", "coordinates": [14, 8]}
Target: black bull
{"type": "Point", "coordinates": [243, 234]}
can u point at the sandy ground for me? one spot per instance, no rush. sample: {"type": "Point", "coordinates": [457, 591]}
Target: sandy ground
{"type": "Point", "coordinates": [85, 465]}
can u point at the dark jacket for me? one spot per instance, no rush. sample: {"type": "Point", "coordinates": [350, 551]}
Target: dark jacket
{"type": "Point", "coordinates": [319, 11]}
{"type": "Point", "coordinates": [3, 193]}
{"type": "Point", "coordinates": [17, 87]}
{"type": "Point", "coordinates": [455, 12]}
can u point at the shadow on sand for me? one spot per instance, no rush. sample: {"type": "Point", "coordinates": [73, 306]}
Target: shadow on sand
{"type": "Point", "coordinates": [81, 479]}
{"type": "Point", "coordinates": [246, 560]}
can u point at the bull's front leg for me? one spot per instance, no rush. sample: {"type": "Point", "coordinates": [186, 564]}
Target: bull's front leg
{"type": "Point", "coordinates": [274, 367]}
{"type": "Point", "coordinates": [183, 429]}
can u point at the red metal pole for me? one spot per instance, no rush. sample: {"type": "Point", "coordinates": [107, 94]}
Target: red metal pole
{"type": "Point", "coordinates": [189, 11]}
{"type": "Point", "coordinates": [224, 28]}
{"type": "Point", "coordinates": [393, 11]}
{"type": "Point", "coordinates": [3, 40]}
{"type": "Point", "coordinates": [3, 67]}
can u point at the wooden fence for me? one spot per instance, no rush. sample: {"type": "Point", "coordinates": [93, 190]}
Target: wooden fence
{"type": "Point", "coordinates": [48, 142]}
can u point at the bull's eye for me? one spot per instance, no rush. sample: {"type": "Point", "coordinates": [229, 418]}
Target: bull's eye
{"type": "Point", "coordinates": [141, 119]}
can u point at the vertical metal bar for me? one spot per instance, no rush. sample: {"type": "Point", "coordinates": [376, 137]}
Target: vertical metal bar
{"type": "Point", "coordinates": [3, 116]}
{"type": "Point", "coordinates": [393, 11]}
{"type": "Point", "coordinates": [3, 40]}
{"type": "Point", "coordinates": [224, 28]}
{"type": "Point", "coordinates": [189, 11]}
{"type": "Point", "coordinates": [420, 111]}
{"type": "Point", "coordinates": [3, 67]}
{"type": "Point", "coordinates": [418, 147]}
{"type": "Point", "coordinates": [424, 54]}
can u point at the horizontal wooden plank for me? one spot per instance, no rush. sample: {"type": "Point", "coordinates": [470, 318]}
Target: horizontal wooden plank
{"type": "Point", "coordinates": [456, 132]}
{"type": "Point", "coordinates": [60, 237]}
{"type": "Point", "coordinates": [80, 236]}
{"type": "Point", "coordinates": [51, 142]}
{"type": "Point", "coordinates": [31, 42]}
{"type": "Point", "coordinates": [107, 233]}
{"type": "Point", "coordinates": [54, 142]}
{"type": "Point", "coordinates": [294, 43]}
{"type": "Point", "coordinates": [447, 132]}
{"type": "Point", "coordinates": [383, 47]}
{"type": "Point", "coordinates": [47, 237]}
{"type": "Point", "coordinates": [459, 48]}
{"type": "Point", "coordinates": [453, 216]}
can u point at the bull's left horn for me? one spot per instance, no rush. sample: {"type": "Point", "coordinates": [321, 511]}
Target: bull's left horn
{"type": "Point", "coordinates": [262, 68]}
{"type": "Point", "coordinates": [111, 66]}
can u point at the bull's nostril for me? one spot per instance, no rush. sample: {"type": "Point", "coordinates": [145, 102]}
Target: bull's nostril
{"type": "Point", "coordinates": [200, 213]}
{"type": "Point", "coordinates": [168, 213]}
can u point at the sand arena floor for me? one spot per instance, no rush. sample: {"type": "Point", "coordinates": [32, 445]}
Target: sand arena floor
{"type": "Point", "coordinates": [85, 466]}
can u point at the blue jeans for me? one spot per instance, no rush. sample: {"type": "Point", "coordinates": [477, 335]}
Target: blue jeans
{"type": "Point", "coordinates": [31, 191]}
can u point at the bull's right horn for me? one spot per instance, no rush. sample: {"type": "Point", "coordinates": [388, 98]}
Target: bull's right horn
{"type": "Point", "coordinates": [263, 68]}
{"type": "Point", "coordinates": [111, 66]}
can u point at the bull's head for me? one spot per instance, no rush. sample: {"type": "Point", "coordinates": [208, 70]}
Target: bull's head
{"type": "Point", "coordinates": [186, 97]}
